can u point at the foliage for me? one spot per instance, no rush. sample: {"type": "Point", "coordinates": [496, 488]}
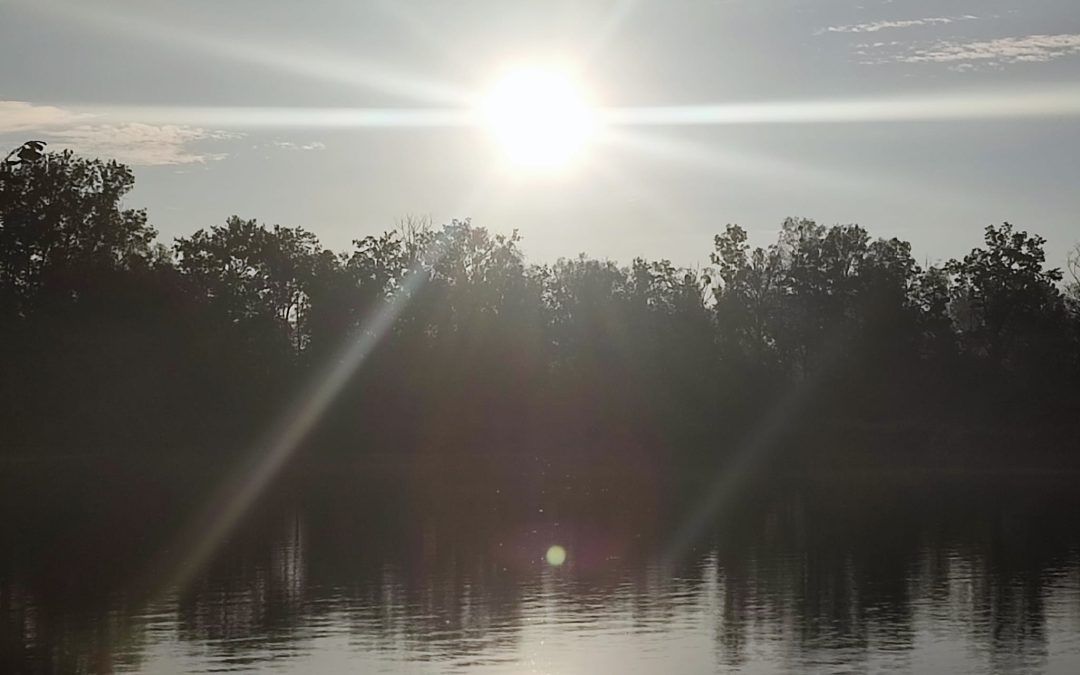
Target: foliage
{"type": "Point", "coordinates": [210, 336]}
{"type": "Point", "coordinates": [61, 222]}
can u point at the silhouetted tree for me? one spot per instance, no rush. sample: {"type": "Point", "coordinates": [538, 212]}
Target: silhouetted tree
{"type": "Point", "coordinates": [1072, 289]}
{"type": "Point", "coordinates": [1008, 309]}
{"type": "Point", "coordinates": [255, 276]}
{"type": "Point", "coordinates": [61, 222]}
{"type": "Point", "coordinates": [111, 339]}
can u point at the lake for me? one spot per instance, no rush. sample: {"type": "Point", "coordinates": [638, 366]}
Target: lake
{"type": "Point", "coordinates": [440, 569]}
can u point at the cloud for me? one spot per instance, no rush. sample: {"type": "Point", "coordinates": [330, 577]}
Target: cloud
{"type": "Point", "coordinates": [133, 143]}
{"type": "Point", "coordinates": [1026, 49]}
{"type": "Point", "coordinates": [969, 55]}
{"type": "Point", "coordinates": [139, 144]}
{"type": "Point", "coordinates": [888, 25]}
{"type": "Point", "coordinates": [18, 116]}
{"type": "Point", "coordinates": [289, 145]}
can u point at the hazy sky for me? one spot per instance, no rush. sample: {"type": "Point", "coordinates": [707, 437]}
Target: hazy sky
{"type": "Point", "coordinates": [927, 120]}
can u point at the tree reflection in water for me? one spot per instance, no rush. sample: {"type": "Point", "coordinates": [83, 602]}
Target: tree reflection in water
{"type": "Point", "coordinates": [414, 569]}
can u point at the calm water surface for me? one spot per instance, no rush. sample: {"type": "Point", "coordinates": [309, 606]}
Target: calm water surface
{"type": "Point", "coordinates": [423, 572]}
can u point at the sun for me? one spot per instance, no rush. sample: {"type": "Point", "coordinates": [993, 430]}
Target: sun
{"type": "Point", "coordinates": [540, 117]}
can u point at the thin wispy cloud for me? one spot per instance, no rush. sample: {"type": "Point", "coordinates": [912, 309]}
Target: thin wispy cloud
{"type": "Point", "coordinates": [1026, 49]}
{"type": "Point", "coordinates": [139, 144]}
{"type": "Point", "coordinates": [134, 143]}
{"type": "Point", "coordinates": [972, 54]}
{"type": "Point", "coordinates": [876, 26]}
{"type": "Point", "coordinates": [289, 145]}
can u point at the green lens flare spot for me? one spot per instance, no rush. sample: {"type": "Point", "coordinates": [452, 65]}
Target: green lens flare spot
{"type": "Point", "coordinates": [556, 555]}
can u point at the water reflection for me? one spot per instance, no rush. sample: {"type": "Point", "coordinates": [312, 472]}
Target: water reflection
{"type": "Point", "coordinates": [426, 574]}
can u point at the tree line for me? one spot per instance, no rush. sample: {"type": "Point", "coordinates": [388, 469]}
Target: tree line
{"type": "Point", "coordinates": [112, 339]}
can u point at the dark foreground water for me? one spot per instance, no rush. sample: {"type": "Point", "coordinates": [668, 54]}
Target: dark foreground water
{"type": "Point", "coordinates": [421, 570]}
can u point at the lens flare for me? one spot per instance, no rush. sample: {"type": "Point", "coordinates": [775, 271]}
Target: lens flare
{"type": "Point", "coordinates": [555, 556]}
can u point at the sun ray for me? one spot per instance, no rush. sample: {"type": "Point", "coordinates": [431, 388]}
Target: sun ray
{"type": "Point", "coordinates": [235, 497]}
{"type": "Point", "coordinates": [616, 16]}
{"type": "Point", "coordinates": [973, 105]}
{"type": "Point", "coordinates": [1058, 102]}
{"type": "Point", "coordinates": [258, 117]}
{"type": "Point", "coordinates": [306, 60]}
{"type": "Point", "coordinates": [210, 526]}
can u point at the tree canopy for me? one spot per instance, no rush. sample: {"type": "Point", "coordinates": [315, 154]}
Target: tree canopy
{"type": "Point", "coordinates": [107, 330]}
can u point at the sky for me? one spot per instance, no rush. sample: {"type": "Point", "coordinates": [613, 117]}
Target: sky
{"type": "Point", "coordinates": [926, 120]}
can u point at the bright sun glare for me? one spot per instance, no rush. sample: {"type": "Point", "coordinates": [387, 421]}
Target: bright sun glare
{"type": "Point", "coordinates": [540, 117]}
